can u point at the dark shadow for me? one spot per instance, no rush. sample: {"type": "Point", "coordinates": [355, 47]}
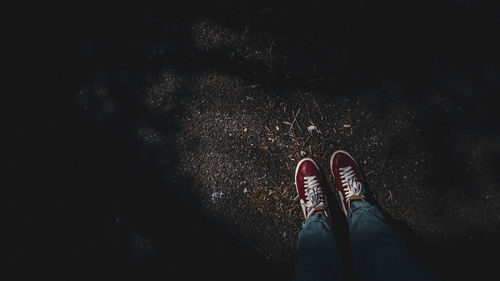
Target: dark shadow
{"type": "Point", "coordinates": [452, 260]}
{"type": "Point", "coordinates": [107, 206]}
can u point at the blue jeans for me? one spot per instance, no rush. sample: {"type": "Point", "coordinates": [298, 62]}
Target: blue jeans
{"type": "Point", "coordinates": [378, 251]}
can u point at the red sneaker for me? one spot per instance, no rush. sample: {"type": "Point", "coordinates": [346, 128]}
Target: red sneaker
{"type": "Point", "coordinates": [310, 189]}
{"type": "Point", "coordinates": [347, 177]}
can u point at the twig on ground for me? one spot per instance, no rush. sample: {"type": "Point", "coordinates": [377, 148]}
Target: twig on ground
{"type": "Point", "coordinates": [406, 213]}
{"type": "Point", "coordinates": [283, 104]}
{"type": "Point", "coordinates": [275, 184]}
{"type": "Point", "coordinates": [315, 127]}
{"type": "Point", "coordinates": [268, 130]}
{"type": "Point", "coordinates": [274, 165]}
{"type": "Point", "coordinates": [324, 154]}
{"type": "Point", "coordinates": [289, 210]}
{"type": "Point", "coordinates": [295, 118]}
{"type": "Point", "coordinates": [383, 163]}
{"type": "Point", "coordinates": [304, 144]}
{"type": "Point", "coordinates": [262, 177]}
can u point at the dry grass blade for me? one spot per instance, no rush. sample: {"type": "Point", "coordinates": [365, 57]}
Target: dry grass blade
{"type": "Point", "coordinates": [295, 118]}
{"type": "Point", "coordinates": [324, 154]}
{"type": "Point", "coordinates": [383, 163]}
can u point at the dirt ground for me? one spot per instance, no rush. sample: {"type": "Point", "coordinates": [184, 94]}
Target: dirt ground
{"type": "Point", "coordinates": [166, 139]}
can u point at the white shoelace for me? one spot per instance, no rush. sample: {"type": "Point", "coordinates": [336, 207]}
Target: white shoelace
{"type": "Point", "coordinates": [350, 183]}
{"type": "Point", "coordinates": [314, 195]}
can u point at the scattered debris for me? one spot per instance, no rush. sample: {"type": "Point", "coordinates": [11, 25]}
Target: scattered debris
{"type": "Point", "coordinates": [316, 127]}
{"type": "Point", "coordinates": [311, 128]}
{"type": "Point", "coordinates": [216, 195]}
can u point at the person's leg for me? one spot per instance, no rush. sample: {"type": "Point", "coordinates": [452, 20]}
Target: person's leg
{"type": "Point", "coordinates": [378, 250]}
{"type": "Point", "coordinates": [316, 255]}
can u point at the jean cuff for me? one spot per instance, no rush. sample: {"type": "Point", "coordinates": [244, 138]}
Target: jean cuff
{"type": "Point", "coordinates": [356, 204]}
{"type": "Point", "coordinates": [317, 217]}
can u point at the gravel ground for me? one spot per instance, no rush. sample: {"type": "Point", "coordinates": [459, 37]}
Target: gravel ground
{"type": "Point", "coordinates": [170, 144]}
